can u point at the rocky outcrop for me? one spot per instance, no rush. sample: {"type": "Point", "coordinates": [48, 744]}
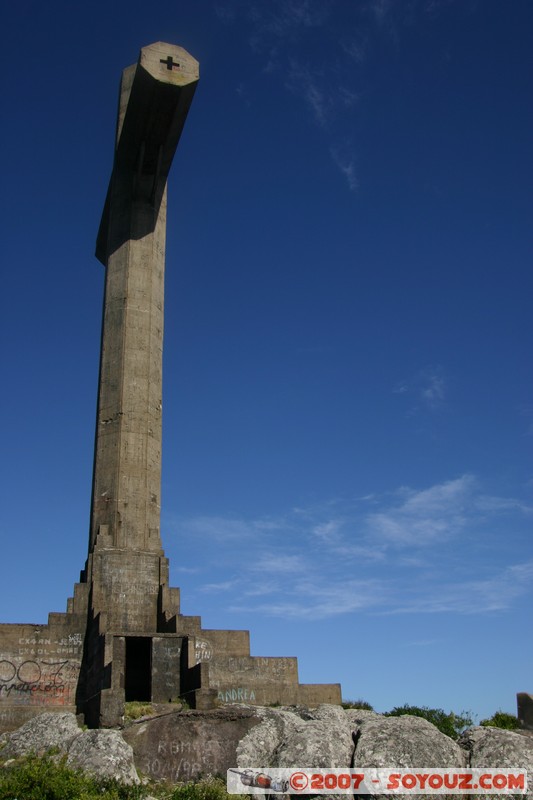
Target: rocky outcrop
{"type": "Point", "coordinates": [321, 737]}
{"type": "Point", "coordinates": [403, 742]}
{"type": "Point", "coordinates": [101, 753]}
{"type": "Point", "coordinates": [186, 745]}
{"type": "Point", "coordinates": [494, 747]}
{"type": "Point", "coordinates": [42, 733]}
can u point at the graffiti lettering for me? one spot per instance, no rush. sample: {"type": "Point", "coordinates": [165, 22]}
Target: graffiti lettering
{"type": "Point", "coordinates": [31, 678]}
{"type": "Point", "coordinates": [203, 650]}
{"type": "Point", "coordinates": [236, 695]}
{"type": "Point", "coordinates": [7, 671]}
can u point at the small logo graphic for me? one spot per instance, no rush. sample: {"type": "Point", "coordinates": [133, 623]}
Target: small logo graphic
{"type": "Point", "coordinates": [299, 781]}
{"type": "Point", "coordinates": [259, 780]}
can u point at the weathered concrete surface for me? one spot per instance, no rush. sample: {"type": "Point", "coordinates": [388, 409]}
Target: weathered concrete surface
{"type": "Point", "coordinates": [186, 745]}
{"type": "Point", "coordinates": [40, 667]}
{"type": "Point", "coordinates": [524, 702]}
{"type": "Point", "coordinates": [154, 102]}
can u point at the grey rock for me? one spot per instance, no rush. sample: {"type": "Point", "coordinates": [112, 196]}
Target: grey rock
{"type": "Point", "coordinates": [40, 734]}
{"type": "Point", "coordinates": [320, 737]}
{"type": "Point", "coordinates": [401, 742]}
{"type": "Point", "coordinates": [494, 747]}
{"type": "Point", "coordinates": [101, 753]}
{"type": "Point", "coordinates": [187, 745]}
{"type": "Point", "coordinates": [404, 742]}
{"type": "Point", "coordinates": [260, 746]}
{"type": "Point", "coordinates": [104, 754]}
{"type": "Point", "coordinates": [323, 741]}
{"type": "Point", "coordinates": [356, 716]}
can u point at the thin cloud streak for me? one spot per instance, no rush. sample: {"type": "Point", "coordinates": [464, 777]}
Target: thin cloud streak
{"type": "Point", "coordinates": [402, 555]}
{"type": "Point", "coordinates": [425, 516]}
{"type": "Point", "coordinates": [495, 594]}
{"type": "Point", "coordinates": [347, 167]}
{"type": "Point", "coordinates": [311, 601]}
{"type": "Point", "coordinates": [427, 389]}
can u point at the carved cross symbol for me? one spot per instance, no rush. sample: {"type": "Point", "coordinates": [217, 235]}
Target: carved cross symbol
{"type": "Point", "coordinates": [169, 61]}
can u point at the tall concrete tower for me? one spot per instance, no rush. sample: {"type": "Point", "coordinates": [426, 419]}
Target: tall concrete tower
{"type": "Point", "coordinates": [123, 636]}
{"type": "Point", "coordinates": [126, 563]}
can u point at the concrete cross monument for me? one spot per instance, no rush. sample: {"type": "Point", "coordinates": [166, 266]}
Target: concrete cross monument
{"type": "Point", "coordinates": [123, 636]}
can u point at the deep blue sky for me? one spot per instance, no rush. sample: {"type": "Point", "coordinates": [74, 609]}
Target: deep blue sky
{"type": "Point", "coordinates": [347, 403]}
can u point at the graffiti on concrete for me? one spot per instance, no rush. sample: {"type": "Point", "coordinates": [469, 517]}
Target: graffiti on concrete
{"type": "Point", "coordinates": [238, 695]}
{"type": "Point", "coordinates": [203, 650]}
{"type": "Point", "coordinates": [43, 681]}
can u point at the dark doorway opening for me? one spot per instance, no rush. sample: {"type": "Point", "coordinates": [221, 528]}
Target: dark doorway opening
{"type": "Point", "coordinates": [138, 672]}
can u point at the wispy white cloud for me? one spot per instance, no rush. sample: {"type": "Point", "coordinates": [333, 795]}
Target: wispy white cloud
{"type": "Point", "coordinates": [346, 165]}
{"type": "Point", "coordinates": [281, 19]}
{"type": "Point", "coordinates": [496, 593]}
{"type": "Point", "coordinates": [223, 586]}
{"type": "Point", "coordinates": [405, 553]}
{"type": "Point", "coordinates": [355, 48]}
{"type": "Point", "coordinates": [426, 389]}
{"type": "Point", "coordinates": [311, 600]}
{"type": "Point", "coordinates": [425, 516]}
{"type": "Point", "coordinates": [433, 391]}
{"type": "Point", "coordinates": [228, 529]}
{"type": "Point", "coordinates": [327, 530]}
{"type": "Point", "coordinates": [330, 82]}
{"type": "Point", "coordinates": [307, 83]}
{"type": "Point", "coordinates": [380, 9]}
{"type": "Point", "coordinates": [279, 564]}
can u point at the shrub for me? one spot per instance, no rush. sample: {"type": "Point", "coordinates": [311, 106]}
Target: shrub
{"type": "Point", "coordinates": [135, 709]}
{"type": "Point", "coordinates": [501, 720]}
{"type": "Point", "coordinates": [34, 778]}
{"type": "Point", "coordinates": [357, 704]}
{"type": "Point", "coordinates": [450, 724]}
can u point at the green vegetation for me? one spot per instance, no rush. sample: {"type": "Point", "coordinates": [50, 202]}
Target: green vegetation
{"type": "Point", "coordinates": [48, 778]}
{"type": "Point", "coordinates": [501, 720]}
{"type": "Point", "coordinates": [45, 778]}
{"type": "Point", "coordinates": [357, 704]}
{"type": "Point", "coordinates": [136, 710]}
{"type": "Point", "coordinates": [450, 724]}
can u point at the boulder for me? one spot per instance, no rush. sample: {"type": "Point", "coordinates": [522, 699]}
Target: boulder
{"type": "Point", "coordinates": [260, 746]}
{"type": "Point", "coordinates": [103, 754]}
{"type": "Point", "coordinates": [295, 737]}
{"type": "Point", "coordinates": [495, 747]}
{"type": "Point", "coordinates": [40, 734]}
{"type": "Point", "coordinates": [404, 741]}
{"type": "Point", "coordinates": [188, 745]}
